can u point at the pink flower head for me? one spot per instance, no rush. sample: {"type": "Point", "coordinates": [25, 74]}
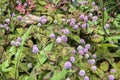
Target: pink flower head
{"type": "Point", "coordinates": [20, 8]}
{"type": "Point", "coordinates": [31, 3]}
{"type": "Point", "coordinates": [50, 6]}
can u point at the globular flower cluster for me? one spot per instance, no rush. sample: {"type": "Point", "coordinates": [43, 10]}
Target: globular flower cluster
{"type": "Point", "coordinates": [82, 22]}
{"type": "Point", "coordinates": [72, 59]}
{"type": "Point", "coordinates": [86, 78]}
{"type": "Point", "coordinates": [82, 73]}
{"type": "Point", "coordinates": [7, 20]}
{"type": "Point", "coordinates": [111, 77]}
{"type": "Point", "coordinates": [67, 65]}
{"type": "Point", "coordinates": [43, 19]}
{"type": "Point", "coordinates": [64, 38]}
{"type": "Point", "coordinates": [39, 24]}
{"type": "Point", "coordinates": [82, 41]}
{"type": "Point", "coordinates": [107, 26]}
{"type": "Point", "coordinates": [60, 39]}
{"type": "Point", "coordinates": [35, 49]}
{"type": "Point", "coordinates": [52, 35]}
{"type": "Point", "coordinates": [83, 50]}
{"type": "Point", "coordinates": [17, 42]}
{"type": "Point", "coordinates": [83, 2]}
{"type": "Point", "coordinates": [112, 71]}
{"type": "Point", "coordinates": [19, 18]}
{"type": "Point", "coordinates": [6, 24]}
{"type": "Point", "coordinates": [93, 68]}
{"type": "Point", "coordinates": [73, 51]}
{"type": "Point", "coordinates": [65, 31]}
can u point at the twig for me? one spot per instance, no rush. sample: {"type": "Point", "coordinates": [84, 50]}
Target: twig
{"type": "Point", "coordinates": [118, 2]}
{"type": "Point", "coordinates": [103, 24]}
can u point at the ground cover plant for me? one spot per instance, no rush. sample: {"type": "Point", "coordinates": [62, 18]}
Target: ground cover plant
{"type": "Point", "coordinates": [59, 40]}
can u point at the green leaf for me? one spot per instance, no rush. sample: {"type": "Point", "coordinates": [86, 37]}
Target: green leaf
{"type": "Point", "coordinates": [60, 75]}
{"type": "Point", "coordinates": [20, 31]}
{"type": "Point", "coordinates": [113, 38]}
{"type": "Point", "coordinates": [4, 66]}
{"type": "Point", "coordinates": [42, 55]}
{"type": "Point", "coordinates": [109, 45]}
{"type": "Point", "coordinates": [76, 38]}
{"type": "Point", "coordinates": [19, 51]}
{"type": "Point", "coordinates": [42, 3]}
{"type": "Point", "coordinates": [116, 21]}
{"type": "Point", "coordinates": [117, 53]}
{"type": "Point", "coordinates": [2, 32]}
{"type": "Point", "coordinates": [56, 1]}
{"type": "Point", "coordinates": [23, 77]}
{"type": "Point", "coordinates": [93, 77]}
{"type": "Point", "coordinates": [99, 73]}
{"type": "Point", "coordinates": [104, 66]}
{"type": "Point", "coordinates": [72, 9]}
{"type": "Point", "coordinates": [106, 16]}
{"type": "Point", "coordinates": [112, 63]}
{"type": "Point", "coordinates": [33, 76]}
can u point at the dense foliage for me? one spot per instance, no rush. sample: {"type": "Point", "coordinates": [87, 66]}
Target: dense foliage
{"type": "Point", "coordinates": [59, 40]}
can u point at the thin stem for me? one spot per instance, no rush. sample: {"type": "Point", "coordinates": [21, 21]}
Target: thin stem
{"type": "Point", "coordinates": [3, 76]}
{"type": "Point", "coordinates": [118, 2]}
{"type": "Point", "coordinates": [103, 24]}
{"type": "Point", "coordinates": [38, 58]}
